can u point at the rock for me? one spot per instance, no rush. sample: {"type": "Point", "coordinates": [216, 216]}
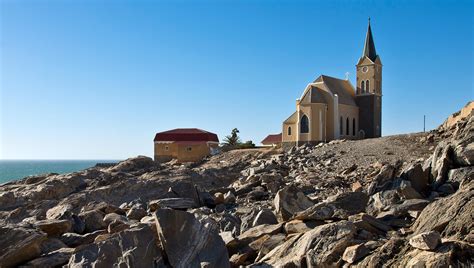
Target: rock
{"type": "Point", "coordinates": [136, 213]}
{"type": "Point", "coordinates": [218, 198]}
{"type": "Point", "coordinates": [321, 247]}
{"type": "Point", "coordinates": [298, 226]}
{"type": "Point", "coordinates": [257, 194]}
{"type": "Point", "coordinates": [289, 201]}
{"type": "Point", "coordinates": [124, 249]}
{"type": "Point", "coordinates": [426, 241]}
{"type": "Point", "coordinates": [54, 227]}
{"type": "Point", "coordinates": [134, 164]}
{"type": "Point", "coordinates": [340, 206]}
{"type": "Point", "coordinates": [269, 244]}
{"type": "Point", "coordinates": [229, 198]}
{"type": "Point", "coordinates": [356, 187]}
{"type": "Point", "coordinates": [449, 254]}
{"type": "Point", "coordinates": [451, 216]}
{"type": "Point", "coordinates": [441, 163]}
{"type": "Point", "coordinates": [406, 191]}
{"type": "Point", "coordinates": [189, 242]}
{"type": "Point", "coordinates": [174, 203]}
{"type": "Point", "coordinates": [53, 259]}
{"type": "Point", "coordinates": [355, 253]}
{"type": "Point", "coordinates": [402, 209]}
{"type": "Point", "coordinates": [383, 176]}
{"type": "Point", "coordinates": [460, 176]}
{"type": "Point", "coordinates": [259, 231]}
{"type": "Point", "coordinates": [418, 177]}
{"type": "Point", "coordinates": [366, 222]}
{"type": "Point", "coordinates": [446, 189]}
{"type": "Point", "coordinates": [265, 216]}
{"type": "Point", "coordinates": [73, 240]}
{"type": "Point", "coordinates": [62, 211]}
{"type": "Point", "coordinates": [51, 244]}
{"type": "Point", "coordinates": [117, 226]}
{"type": "Point", "coordinates": [19, 245]}
{"type": "Point", "coordinates": [93, 220]}
{"type": "Point", "coordinates": [386, 255]}
{"type": "Point", "coordinates": [114, 217]}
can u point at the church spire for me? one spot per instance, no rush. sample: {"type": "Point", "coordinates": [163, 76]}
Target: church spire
{"type": "Point", "coordinates": [369, 46]}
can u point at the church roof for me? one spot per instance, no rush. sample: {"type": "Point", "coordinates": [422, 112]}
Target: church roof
{"type": "Point", "coordinates": [342, 88]}
{"type": "Point", "coordinates": [272, 139]}
{"type": "Point", "coordinates": [292, 119]}
{"type": "Point", "coordinates": [369, 46]}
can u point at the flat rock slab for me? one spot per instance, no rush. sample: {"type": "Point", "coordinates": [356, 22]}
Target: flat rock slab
{"type": "Point", "coordinates": [19, 245]}
{"type": "Point", "coordinates": [189, 242]}
{"type": "Point", "coordinates": [174, 203]}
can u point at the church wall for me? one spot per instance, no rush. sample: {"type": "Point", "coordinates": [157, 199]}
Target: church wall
{"type": "Point", "coordinates": [305, 110]}
{"type": "Point", "coordinates": [318, 114]}
{"type": "Point", "coordinates": [284, 133]}
{"type": "Point", "coordinates": [374, 74]}
{"type": "Point", "coordinates": [351, 112]}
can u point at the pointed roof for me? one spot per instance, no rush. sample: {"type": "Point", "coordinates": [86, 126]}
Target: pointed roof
{"type": "Point", "coordinates": [369, 46]}
{"type": "Point", "coordinates": [272, 139]}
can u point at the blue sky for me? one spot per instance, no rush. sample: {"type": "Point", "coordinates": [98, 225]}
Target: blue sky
{"type": "Point", "coordinates": [97, 79]}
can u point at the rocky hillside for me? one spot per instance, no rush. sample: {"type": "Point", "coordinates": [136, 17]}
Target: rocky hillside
{"type": "Point", "coordinates": [402, 201]}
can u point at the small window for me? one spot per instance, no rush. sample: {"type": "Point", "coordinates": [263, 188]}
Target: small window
{"type": "Point", "coordinates": [347, 126]}
{"type": "Point", "coordinates": [188, 149]}
{"type": "Point", "coordinates": [362, 86]}
{"type": "Point", "coordinates": [289, 131]}
{"type": "Point", "coordinates": [304, 124]}
{"type": "Point", "coordinates": [167, 148]}
{"type": "Point", "coordinates": [367, 86]}
{"type": "Point", "coordinates": [353, 126]}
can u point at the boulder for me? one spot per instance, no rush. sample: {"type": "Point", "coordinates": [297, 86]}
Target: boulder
{"type": "Point", "coordinates": [218, 198]}
{"type": "Point", "coordinates": [73, 240]}
{"type": "Point", "coordinates": [323, 246]}
{"type": "Point", "coordinates": [401, 210]}
{"type": "Point", "coordinates": [54, 227]}
{"type": "Point", "coordinates": [460, 176]}
{"type": "Point", "coordinates": [289, 201]}
{"type": "Point", "coordinates": [114, 217]}
{"type": "Point", "coordinates": [258, 231]}
{"type": "Point", "coordinates": [52, 259]}
{"type": "Point", "coordinates": [299, 226]}
{"type": "Point", "coordinates": [229, 198]}
{"type": "Point", "coordinates": [448, 254]}
{"type": "Point", "coordinates": [134, 164]}
{"type": "Point", "coordinates": [174, 203]}
{"type": "Point", "coordinates": [136, 213]}
{"type": "Point", "coordinates": [426, 241]}
{"type": "Point", "coordinates": [188, 242]}
{"type": "Point", "coordinates": [355, 253]}
{"type": "Point", "coordinates": [19, 245]}
{"type": "Point", "coordinates": [135, 247]}
{"type": "Point", "coordinates": [340, 206]}
{"type": "Point", "coordinates": [265, 216]}
{"type": "Point", "coordinates": [117, 226]}
{"type": "Point", "coordinates": [441, 163]}
{"type": "Point", "coordinates": [93, 220]}
{"type": "Point", "coordinates": [418, 177]}
{"type": "Point", "coordinates": [451, 216]}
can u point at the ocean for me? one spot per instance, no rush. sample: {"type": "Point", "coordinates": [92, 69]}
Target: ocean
{"type": "Point", "coordinates": [18, 169]}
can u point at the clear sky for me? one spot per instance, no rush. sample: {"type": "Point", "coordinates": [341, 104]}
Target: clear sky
{"type": "Point", "coordinates": [97, 79]}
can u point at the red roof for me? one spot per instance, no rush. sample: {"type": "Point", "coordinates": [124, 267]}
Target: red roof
{"type": "Point", "coordinates": [272, 139]}
{"type": "Point", "coordinates": [186, 134]}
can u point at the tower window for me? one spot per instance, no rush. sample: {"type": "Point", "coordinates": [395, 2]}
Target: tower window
{"type": "Point", "coordinates": [362, 86]}
{"type": "Point", "coordinates": [289, 131]}
{"type": "Point", "coordinates": [341, 131]}
{"type": "Point", "coordinates": [367, 87]}
{"type": "Point", "coordinates": [304, 124]}
{"type": "Point", "coordinates": [347, 126]}
{"type": "Point", "coordinates": [353, 126]}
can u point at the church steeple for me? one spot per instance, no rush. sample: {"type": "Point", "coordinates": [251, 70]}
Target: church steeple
{"type": "Point", "coordinates": [369, 46]}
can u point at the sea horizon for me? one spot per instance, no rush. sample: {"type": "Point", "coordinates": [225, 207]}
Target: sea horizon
{"type": "Point", "coordinates": [16, 169]}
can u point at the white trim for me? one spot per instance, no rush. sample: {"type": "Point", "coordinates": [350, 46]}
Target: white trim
{"type": "Point", "coordinates": [164, 142]}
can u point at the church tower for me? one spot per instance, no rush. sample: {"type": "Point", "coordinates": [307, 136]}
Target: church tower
{"type": "Point", "coordinates": [369, 89]}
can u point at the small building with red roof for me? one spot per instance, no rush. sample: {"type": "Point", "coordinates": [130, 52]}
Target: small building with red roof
{"type": "Point", "coordinates": [272, 140]}
{"type": "Point", "coordinates": [184, 144]}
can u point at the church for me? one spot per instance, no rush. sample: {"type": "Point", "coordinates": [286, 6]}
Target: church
{"type": "Point", "coordinates": [332, 108]}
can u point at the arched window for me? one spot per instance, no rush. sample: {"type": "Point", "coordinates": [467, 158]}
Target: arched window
{"type": "Point", "coordinates": [347, 126]}
{"type": "Point", "coordinates": [289, 131]}
{"type": "Point", "coordinates": [362, 86]}
{"type": "Point", "coordinates": [367, 86]}
{"type": "Point", "coordinates": [304, 124]}
{"type": "Point", "coordinates": [353, 126]}
{"type": "Point", "coordinates": [341, 131]}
